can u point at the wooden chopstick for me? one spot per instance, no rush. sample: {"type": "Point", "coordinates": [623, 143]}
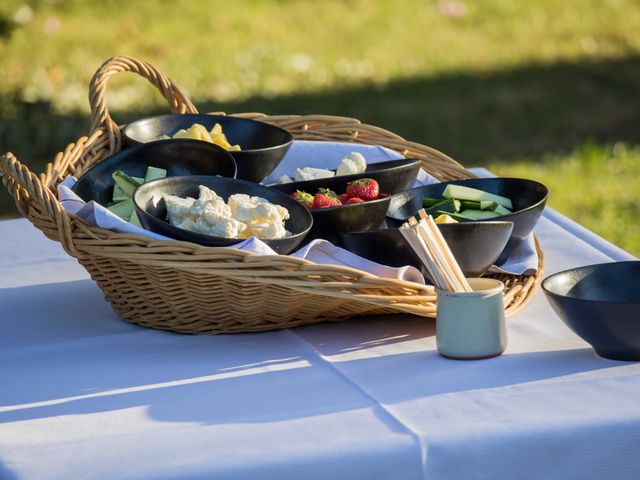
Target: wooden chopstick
{"type": "Point", "coordinates": [427, 241]}
{"type": "Point", "coordinates": [417, 244]}
{"type": "Point", "coordinates": [444, 247]}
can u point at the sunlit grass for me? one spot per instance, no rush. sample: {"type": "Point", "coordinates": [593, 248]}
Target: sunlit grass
{"type": "Point", "coordinates": [597, 186]}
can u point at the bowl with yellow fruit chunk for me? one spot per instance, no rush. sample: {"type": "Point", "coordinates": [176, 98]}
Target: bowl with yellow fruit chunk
{"type": "Point", "coordinates": [257, 147]}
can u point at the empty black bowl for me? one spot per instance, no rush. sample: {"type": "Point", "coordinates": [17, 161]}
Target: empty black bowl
{"type": "Point", "coordinates": [601, 304]}
{"type": "Point", "coordinates": [152, 214]}
{"type": "Point", "coordinates": [263, 145]}
{"type": "Point", "coordinates": [528, 198]}
{"type": "Point", "coordinates": [392, 176]}
{"type": "Point", "coordinates": [177, 157]}
{"type": "Point", "coordinates": [475, 245]}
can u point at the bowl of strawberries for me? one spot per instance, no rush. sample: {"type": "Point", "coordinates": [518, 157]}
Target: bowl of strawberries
{"type": "Point", "coordinates": [341, 206]}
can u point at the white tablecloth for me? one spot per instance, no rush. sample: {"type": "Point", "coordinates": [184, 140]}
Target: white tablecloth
{"type": "Point", "coordinates": [85, 395]}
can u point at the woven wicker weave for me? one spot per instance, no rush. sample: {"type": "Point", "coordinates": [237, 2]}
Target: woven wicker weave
{"type": "Point", "coordinates": [188, 288]}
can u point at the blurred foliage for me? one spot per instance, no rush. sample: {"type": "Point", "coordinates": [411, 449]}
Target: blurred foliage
{"type": "Point", "coordinates": [544, 89]}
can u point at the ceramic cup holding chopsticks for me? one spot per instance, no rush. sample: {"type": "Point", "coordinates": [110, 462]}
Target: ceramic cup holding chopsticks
{"type": "Point", "coordinates": [470, 325]}
{"type": "Point", "coordinates": [470, 312]}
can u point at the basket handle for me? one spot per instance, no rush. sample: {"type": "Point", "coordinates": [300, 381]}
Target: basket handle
{"type": "Point", "coordinates": [29, 191]}
{"type": "Point", "coordinates": [100, 117]}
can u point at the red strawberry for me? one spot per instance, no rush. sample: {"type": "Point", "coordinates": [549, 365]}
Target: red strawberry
{"type": "Point", "coordinates": [365, 188]}
{"type": "Point", "coordinates": [353, 200]}
{"type": "Point", "coordinates": [304, 198]}
{"type": "Point", "coordinates": [343, 198]}
{"type": "Point", "coordinates": [327, 192]}
{"type": "Point", "coordinates": [322, 201]}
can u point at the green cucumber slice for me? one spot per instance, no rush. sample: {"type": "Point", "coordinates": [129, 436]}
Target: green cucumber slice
{"type": "Point", "coordinates": [430, 202]}
{"type": "Point", "coordinates": [455, 216]}
{"type": "Point", "coordinates": [127, 184]}
{"type": "Point", "coordinates": [122, 209]}
{"type": "Point", "coordinates": [449, 205]}
{"type": "Point", "coordinates": [466, 193]}
{"type": "Point", "coordinates": [470, 205]}
{"type": "Point", "coordinates": [489, 205]}
{"type": "Point", "coordinates": [153, 173]}
{"type": "Point", "coordinates": [479, 214]}
{"type": "Point", "coordinates": [502, 211]}
{"type": "Point", "coordinates": [118, 194]}
{"type": "Point", "coordinates": [134, 220]}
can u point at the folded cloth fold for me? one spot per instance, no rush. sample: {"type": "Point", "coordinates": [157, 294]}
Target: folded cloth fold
{"type": "Point", "coordinates": [522, 259]}
{"type": "Point", "coordinates": [324, 252]}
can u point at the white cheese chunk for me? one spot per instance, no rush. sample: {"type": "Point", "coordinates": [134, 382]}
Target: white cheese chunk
{"type": "Point", "coordinates": [186, 224]}
{"type": "Point", "coordinates": [283, 179]}
{"type": "Point", "coordinates": [310, 173]}
{"type": "Point", "coordinates": [351, 164]}
{"type": "Point", "coordinates": [218, 226]}
{"type": "Point", "coordinates": [242, 217]}
{"type": "Point", "coordinates": [271, 230]}
{"type": "Point", "coordinates": [255, 209]}
{"type": "Point", "coordinates": [178, 209]}
{"type": "Point", "coordinates": [271, 211]}
{"type": "Point", "coordinates": [209, 199]}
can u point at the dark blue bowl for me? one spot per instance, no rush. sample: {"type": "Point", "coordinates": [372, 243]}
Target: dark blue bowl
{"type": "Point", "coordinates": [328, 223]}
{"type": "Point", "coordinates": [393, 176]}
{"type": "Point", "coordinates": [263, 145]}
{"type": "Point", "coordinates": [601, 304]}
{"type": "Point", "coordinates": [153, 214]}
{"type": "Point", "coordinates": [475, 245]}
{"type": "Point", "coordinates": [528, 197]}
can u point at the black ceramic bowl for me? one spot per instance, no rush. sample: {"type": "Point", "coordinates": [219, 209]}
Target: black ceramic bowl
{"type": "Point", "coordinates": [528, 198]}
{"type": "Point", "coordinates": [601, 304]}
{"type": "Point", "coordinates": [329, 222]}
{"type": "Point", "coordinates": [152, 214]}
{"type": "Point", "coordinates": [177, 157]}
{"type": "Point", "coordinates": [393, 176]}
{"type": "Point", "coordinates": [475, 245]}
{"type": "Point", "coordinates": [263, 145]}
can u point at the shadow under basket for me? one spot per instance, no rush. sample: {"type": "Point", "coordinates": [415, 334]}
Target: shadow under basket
{"type": "Point", "coordinates": [188, 288]}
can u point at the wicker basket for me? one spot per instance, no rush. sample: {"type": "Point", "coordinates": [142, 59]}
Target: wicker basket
{"type": "Point", "coordinates": [189, 288]}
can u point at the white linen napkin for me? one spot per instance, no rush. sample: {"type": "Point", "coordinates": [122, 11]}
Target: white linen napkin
{"type": "Point", "coordinates": [522, 259]}
{"type": "Point", "coordinates": [324, 252]}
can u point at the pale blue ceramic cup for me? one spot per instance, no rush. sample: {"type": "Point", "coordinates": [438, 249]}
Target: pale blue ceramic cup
{"type": "Point", "coordinates": [470, 325]}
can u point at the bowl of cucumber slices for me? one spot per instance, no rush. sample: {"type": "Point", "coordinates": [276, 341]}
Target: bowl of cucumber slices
{"type": "Point", "coordinates": [112, 181]}
{"type": "Point", "coordinates": [516, 200]}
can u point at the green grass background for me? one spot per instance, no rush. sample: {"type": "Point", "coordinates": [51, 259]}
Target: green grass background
{"type": "Point", "coordinates": [546, 89]}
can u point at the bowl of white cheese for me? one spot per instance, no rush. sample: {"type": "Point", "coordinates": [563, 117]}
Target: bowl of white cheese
{"type": "Point", "coordinates": [218, 212]}
{"type": "Point", "coordinates": [393, 176]}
